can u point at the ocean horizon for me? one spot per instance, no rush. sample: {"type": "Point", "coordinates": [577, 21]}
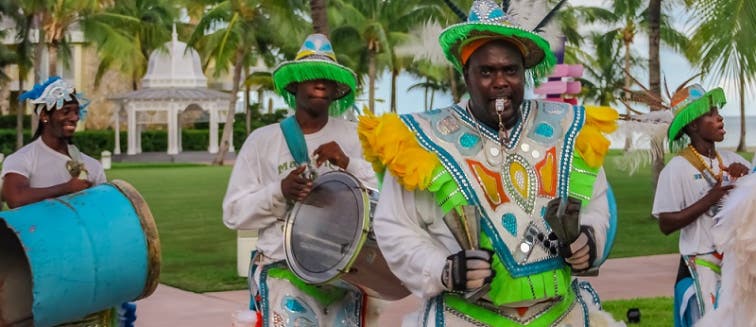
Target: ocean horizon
{"type": "Point", "coordinates": [732, 136]}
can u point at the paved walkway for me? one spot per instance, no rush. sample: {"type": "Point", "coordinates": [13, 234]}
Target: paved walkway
{"type": "Point", "coordinates": [182, 157]}
{"type": "Point", "coordinates": [625, 278]}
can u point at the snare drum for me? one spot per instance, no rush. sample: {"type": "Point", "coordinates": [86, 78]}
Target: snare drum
{"type": "Point", "coordinates": [329, 237]}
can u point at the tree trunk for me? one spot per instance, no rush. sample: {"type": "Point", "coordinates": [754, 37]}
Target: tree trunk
{"type": "Point", "coordinates": [38, 49]}
{"type": "Point", "coordinates": [228, 128]}
{"type": "Point", "coordinates": [20, 113]}
{"type": "Point", "coordinates": [654, 79]}
{"type": "Point", "coordinates": [371, 81]}
{"type": "Point", "coordinates": [741, 86]}
{"type": "Point", "coordinates": [247, 111]}
{"type": "Point", "coordinates": [319, 16]}
{"type": "Point", "coordinates": [52, 56]}
{"type": "Point", "coordinates": [394, 75]}
{"type": "Point", "coordinates": [628, 82]}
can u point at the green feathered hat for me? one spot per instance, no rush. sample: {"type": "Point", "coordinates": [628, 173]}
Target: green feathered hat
{"type": "Point", "coordinates": [488, 21]}
{"type": "Point", "coordinates": [316, 60]}
{"type": "Point", "coordinates": [690, 103]}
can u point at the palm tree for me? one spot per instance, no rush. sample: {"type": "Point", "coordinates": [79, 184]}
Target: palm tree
{"type": "Point", "coordinates": [369, 30]}
{"type": "Point", "coordinates": [19, 55]}
{"type": "Point", "coordinates": [55, 18]}
{"type": "Point", "coordinates": [127, 33]}
{"type": "Point", "coordinates": [231, 31]}
{"type": "Point", "coordinates": [603, 74]}
{"type": "Point", "coordinates": [724, 39]}
{"type": "Point", "coordinates": [319, 16]}
{"type": "Point", "coordinates": [264, 82]}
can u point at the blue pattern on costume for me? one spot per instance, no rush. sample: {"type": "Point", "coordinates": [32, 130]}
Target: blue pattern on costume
{"type": "Point", "coordinates": [298, 313]}
{"type": "Point", "coordinates": [510, 223]}
{"type": "Point", "coordinates": [488, 226]}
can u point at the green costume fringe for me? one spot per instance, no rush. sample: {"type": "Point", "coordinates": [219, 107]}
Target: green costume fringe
{"type": "Point", "coordinates": [312, 69]}
{"type": "Point", "coordinates": [691, 112]}
{"type": "Point", "coordinates": [452, 38]}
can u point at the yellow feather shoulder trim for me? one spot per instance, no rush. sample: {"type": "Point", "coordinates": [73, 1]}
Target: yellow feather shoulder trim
{"type": "Point", "coordinates": [591, 142]}
{"type": "Point", "coordinates": [387, 143]}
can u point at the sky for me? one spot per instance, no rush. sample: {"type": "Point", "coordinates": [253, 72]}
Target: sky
{"type": "Point", "coordinates": [674, 67]}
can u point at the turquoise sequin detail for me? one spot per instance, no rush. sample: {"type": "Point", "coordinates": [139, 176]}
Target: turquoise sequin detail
{"type": "Point", "coordinates": [510, 223]}
{"type": "Point", "coordinates": [468, 140]}
{"type": "Point", "coordinates": [293, 305]}
{"type": "Point", "coordinates": [545, 130]}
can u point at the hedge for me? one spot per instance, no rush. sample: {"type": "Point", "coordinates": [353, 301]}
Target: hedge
{"type": "Point", "coordinates": [93, 142]}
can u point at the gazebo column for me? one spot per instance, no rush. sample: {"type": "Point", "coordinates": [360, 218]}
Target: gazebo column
{"type": "Point", "coordinates": [117, 129]}
{"type": "Point", "coordinates": [213, 146]}
{"type": "Point", "coordinates": [139, 137]}
{"type": "Point", "coordinates": [173, 130]}
{"type": "Point", "coordinates": [132, 131]}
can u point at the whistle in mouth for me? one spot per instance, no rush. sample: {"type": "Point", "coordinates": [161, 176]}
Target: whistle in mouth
{"type": "Point", "coordinates": [499, 105]}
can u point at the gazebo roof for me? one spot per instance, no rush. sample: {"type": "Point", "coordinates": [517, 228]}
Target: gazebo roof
{"type": "Point", "coordinates": [173, 93]}
{"type": "Point", "coordinates": [175, 75]}
{"type": "Point", "coordinates": [179, 66]}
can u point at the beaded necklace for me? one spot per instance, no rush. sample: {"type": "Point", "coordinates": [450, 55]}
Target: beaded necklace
{"type": "Point", "coordinates": [709, 167]}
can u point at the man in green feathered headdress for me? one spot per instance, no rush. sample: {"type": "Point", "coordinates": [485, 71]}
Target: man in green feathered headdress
{"type": "Point", "coordinates": [689, 190]}
{"type": "Point", "coordinates": [492, 204]}
{"type": "Point", "coordinates": [274, 169]}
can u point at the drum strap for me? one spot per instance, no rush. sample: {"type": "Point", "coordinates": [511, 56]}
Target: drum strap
{"type": "Point", "coordinates": [295, 140]}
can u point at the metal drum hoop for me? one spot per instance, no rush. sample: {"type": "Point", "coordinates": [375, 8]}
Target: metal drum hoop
{"type": "Point", "coordinates": [344, 264]}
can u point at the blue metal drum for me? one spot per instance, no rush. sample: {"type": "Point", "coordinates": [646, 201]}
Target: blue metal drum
{"type": "Point", "coordinates": [82, 253]}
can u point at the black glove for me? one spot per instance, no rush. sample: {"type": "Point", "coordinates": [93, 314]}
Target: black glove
{"type": "Point", "coordinates": [467, 270]}
{"type": "Point", "coordinates": [581, 254]}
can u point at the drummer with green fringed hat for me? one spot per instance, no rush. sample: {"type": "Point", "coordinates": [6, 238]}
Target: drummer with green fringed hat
{"type": "Point", "coordinates": [490, 206]}
{"type": "Point", "coordinates": [688, 193]}
{"type": "Point", "coordinates": [276, 167]}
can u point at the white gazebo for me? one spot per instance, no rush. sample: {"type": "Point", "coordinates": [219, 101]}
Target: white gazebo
{"type": "Point", "coordinates": [174, 81]}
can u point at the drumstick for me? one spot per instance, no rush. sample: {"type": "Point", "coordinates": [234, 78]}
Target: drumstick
{"type": "Point", "coordinates": [466, 228]}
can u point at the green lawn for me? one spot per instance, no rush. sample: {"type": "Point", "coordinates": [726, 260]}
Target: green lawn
{"type": "Point", "coordinates": [637, 231]}
{"type": "Point", "coordinates": [655, 312]}
{"type": "Point", "coordinates": [199, 252]}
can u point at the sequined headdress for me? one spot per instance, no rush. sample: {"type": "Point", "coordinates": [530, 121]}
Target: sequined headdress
{"type": "Point", "coordinates": [316, 60]}
{"type": "Point", "coordinates": [52, 94]}
{"type": "Point", "coordinates": [489, 21]}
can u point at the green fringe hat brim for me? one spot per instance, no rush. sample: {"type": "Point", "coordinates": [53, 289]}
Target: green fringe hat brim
{"type": "Point", "coordinates": [539, 60]}
{"type": "Point", "coordinates": [312, 69]}
{"type": "Point", "coordinates": [691, 112]}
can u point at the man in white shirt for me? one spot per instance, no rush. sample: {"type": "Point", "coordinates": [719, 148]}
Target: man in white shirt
{"type": "Point", "coordinates": [48, 167]}
{"type": "Point", "coordinates": [688, 193]}
{"type": "Point", "coordinates": [39, 170]}
{"type": "Point", "coordinates": [269, 176]}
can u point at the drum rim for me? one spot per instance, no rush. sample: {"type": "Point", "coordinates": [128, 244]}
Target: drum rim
{"type": "Point", "coordinates": [343, 265]}
{"type": "Point", "coordinates": [147, 220]}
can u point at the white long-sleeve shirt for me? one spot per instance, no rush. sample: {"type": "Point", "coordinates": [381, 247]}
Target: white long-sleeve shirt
{"type": "Point", "coordinates": [254, 199]}
{"type": "Point", "coordinates": [415, 241]}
